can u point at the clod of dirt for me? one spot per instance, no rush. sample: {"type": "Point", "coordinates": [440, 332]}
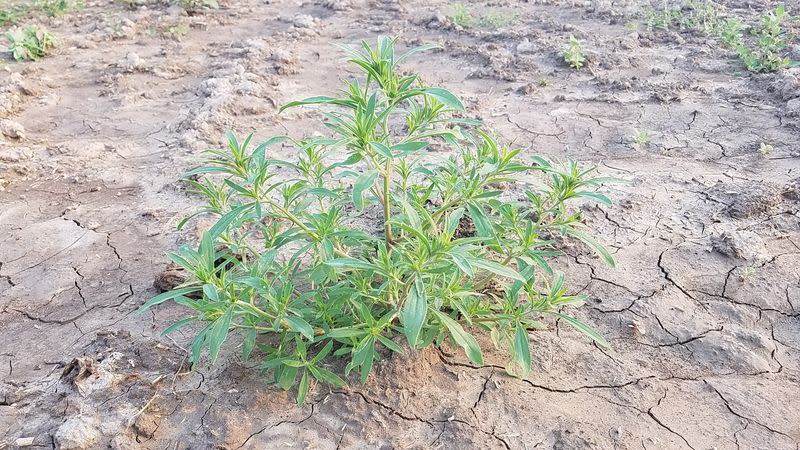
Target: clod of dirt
{"type": "Point", "coordinates": [89, 376]}
{"type": "Point", "coordinates": [12, 129]}
{"type": "Point", "coordinates": [170, 278]}
{"type": "Point", "coordinates": [15, 154]}
{"type": "Point", "coordinates": [284, 62]}
{"type": "Point", "coordinates": [527, 89]}
{"type": "Point", "coordinates": [78, 433]}
{"type": "Point", "coordinates": [337, 5]}
{"type": "Point", "coordinates": [466, 228]}
{"type": "Point", "coordinates": [133, 63]}
{"type": "Point", "coordinates": [303, 21]}
{"type": "Point", "coordinates": [738, 244]}
{"type": "Point", "coordinates": [792, 190]}
{"type": "Point", "coordinates": [436, 21]}
{"type": "Point", "coordinates": [793, 107]}
{"type": "Point", "coordinates": [526, 46]}
{"type": "Point", "coordinates": [757, 200]}
{"type": "Point", "coordinates": [787, 84]}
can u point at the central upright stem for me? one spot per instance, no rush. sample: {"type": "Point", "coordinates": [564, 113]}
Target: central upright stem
{"type": "Point", "coordinates": [387, 207]}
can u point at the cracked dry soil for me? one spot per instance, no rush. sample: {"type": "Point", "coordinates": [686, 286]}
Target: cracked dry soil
{"type": "Point", "coordinates": [703, 311]}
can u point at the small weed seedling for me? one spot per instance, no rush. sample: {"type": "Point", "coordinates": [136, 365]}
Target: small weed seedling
{"type": "Point", "coordinates": [290, 269]}
{"type": "Point", "coordinates": [30, 43]}
{"type": "Point", "coordinates": [746, 273]}
{"type": "Point", "coordinates": [765, 149]}
{"type": "Point", "coordinates": [177, 32]}
{"type": "Point", "coordinates": [641, 138]}
{"type": "Point", "coordinates": [573, 54]}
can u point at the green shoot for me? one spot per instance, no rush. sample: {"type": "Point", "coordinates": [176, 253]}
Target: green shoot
{"type": "Point", "coordinates": [573, 54]}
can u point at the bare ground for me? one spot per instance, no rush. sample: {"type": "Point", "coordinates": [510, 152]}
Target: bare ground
{"type": "Point", "coordinates": [703, 311]}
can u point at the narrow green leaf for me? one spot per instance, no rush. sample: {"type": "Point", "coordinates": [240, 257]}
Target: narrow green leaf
{"type": "Point", "coordinates": [248, 344]}
{"type": "Point", "coordinates": [408, 147]}
{"type": "Point", "coordinates": [350, 263]}
{"type": "Point", "coordinates": [414, 310]}
{"type": "Point", "coordinates": [309, 101]}
{"type": "Point", "coordinates": [522, 351]}
{"type": "Point", "coordinates": [178, 325]}
{"type": "Point", "coordinates": [382, 149]}
{"type": "Point", "coordinates": [301, 326]}
{"type": "Point", "coordinates": [326, 376]}
{"type": "Point", "coordinates": [462, 338]}
{"type": "Point", "coordinates": [169, 295]}
{"type": "Point", "coordinates": [596, 196]}
{"type": "Point", "coordinates": [593, 244]}
{"type": "Point", "coordinates": [583, 328]}
{"type": "Point", "coordinates": [218, 333]}
{"type": "Point", "coordinates": [286, 376]}
{"type": "Point", "coordinates": [497, 269]}
{"type": "Point", "coordinates": [225, 221]}
{"type": "Point", "coordinates": [463, 264]}
{"type": "Point", "coordinates": [362, 183]}
{"type": "Point", "coordinates": [302, 389]}
{"type": "Point", "coordinates": [345, 333]}
{"type": "Point", "coordinates": [446, 97]}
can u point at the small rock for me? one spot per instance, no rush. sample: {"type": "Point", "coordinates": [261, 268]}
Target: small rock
{"type": "Point", "coordinates": [170, 278]}
{"type": "Point", "coordinates": [12, 129]}
{"type": "Point", "coordinates": [437, 21]}
{"type": "Point", "coordinates": [15, 154]}
{"type": "Point", "coordinates": [792, 190]}
{"type": "Point", "coordinates": [337, 5]}
{"type": "Point", "coordinates": [77, 433]}
{"type": "Point", "coordinates": [793, 107]}
{"type": "Point", "coordinates": [757, 200]}
{"type": "Point", "coordinates": [133, 62]}
{"type": "Point", "coordinates": [303, 21]}
{"type": "Point", "coordinates": [24, 442]}
{"type": "Point", "coordinates": [526, 46]}
{"type": "Point", "coordinates": [738, 244]}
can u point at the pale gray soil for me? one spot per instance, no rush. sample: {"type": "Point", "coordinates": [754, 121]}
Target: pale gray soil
{"type": "Point", "coordinates": [703, 311]}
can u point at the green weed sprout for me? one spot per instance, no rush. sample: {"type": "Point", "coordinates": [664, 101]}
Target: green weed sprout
{"type": "Point", "coordinates": [293, 269]}
{"type": "Point", "coordinates": [573, 55]}
{"type": "Point", "coordinates": [641, 138]}
{"type": "Point", "coordinates": [30, 43]}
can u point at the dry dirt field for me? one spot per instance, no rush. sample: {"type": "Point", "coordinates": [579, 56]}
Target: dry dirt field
{"type": "Point", "coordinates": [702, 312]}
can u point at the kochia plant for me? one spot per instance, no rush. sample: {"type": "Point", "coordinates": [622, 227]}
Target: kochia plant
{"type": "Point", "coordinates": [293, 267]}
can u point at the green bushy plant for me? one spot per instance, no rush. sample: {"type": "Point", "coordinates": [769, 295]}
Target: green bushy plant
{"type": "Point", "coordinates": [491, 19]}
{"type": "Point", "coordinates": [367, 239]}
{"type": "Point", "coordinates": [768, 52]}
{"type": "Point", "coordinates": [764, 52]}
{"type": "Point", "coordinates": [30, 43]}
{"type": "Point", "coordinates": [573, 54]}
{"type": "Point", "coordinates": [197, 5]}
{"type": "Point", "coordinates": [57, 7]}
{"type": "Point", "coordinates": [731, 32]}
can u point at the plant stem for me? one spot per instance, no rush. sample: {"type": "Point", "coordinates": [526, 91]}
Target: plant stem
{"type": "Point", "coordinates": [481, 284]}
{"type": "Point", "coordinates": [387, 207]}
